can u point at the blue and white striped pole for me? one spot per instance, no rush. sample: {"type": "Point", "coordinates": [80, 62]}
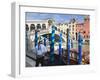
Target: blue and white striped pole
{"type": "Point", "coordinates": [52, 45]}
{"type": "Point", "coordinates": [80, 42]}
{"type": "Point", "coordinates": [71, 43]}
{"type": "Point", "coordinates": [26, 40]}
{"type": "Point", "coordinates": [44, 41]}
{"type": "Point", "coordinates": [68, 46]}
{"type": "Point", "coordinates": [60, 46]}
{"type": "Point", "coordinates": [36, 38]}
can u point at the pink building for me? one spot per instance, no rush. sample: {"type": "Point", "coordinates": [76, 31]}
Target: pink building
{"type": "Point", "coordinates": [84, 28]}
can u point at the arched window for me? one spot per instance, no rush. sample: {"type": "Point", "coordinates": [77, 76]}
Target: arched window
{"type": "Point", "coordinates": [32, 27]}
{"type": "Point", "coordinates": [55, 28]}
{"type": "Point", "coordinates": [76, 36]}
{"type": "Point", "coordinates": [87, 36]}
{"type": "Point", "coordinates": [84, 32]}
{"type": "Point", "coordinates": [62, 31]}
{"type": "Point", "coordinates": [73, 38]}
{"type": "Point", "coordinates": [84, 36]}
{"type": "Point", "coordinates": [38, 26]}
{"type": "Point", "coordinates": [43, 26]}
{"type": "Point", "coordinates": [27, 28]}
{"type": "Point", "coordinates": [59, 30]}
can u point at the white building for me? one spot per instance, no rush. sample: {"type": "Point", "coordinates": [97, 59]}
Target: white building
{"type": "Point", "coordinates": [36, 24]}
{"type": "Point", "coordinates": [72, 28]}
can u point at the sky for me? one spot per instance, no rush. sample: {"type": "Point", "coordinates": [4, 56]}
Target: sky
{"type": "Point", "coordinates": [59, 18]}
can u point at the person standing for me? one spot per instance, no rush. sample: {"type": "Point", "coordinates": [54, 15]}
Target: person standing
{"type": "Point", "coordinates": [40, 53]}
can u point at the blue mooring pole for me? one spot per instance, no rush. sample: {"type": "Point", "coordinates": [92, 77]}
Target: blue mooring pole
{"type": "Point", "coordinates": [71, 43]}
{"type": "Point", "coordinates": [60, 47]}
{"type": "Point", "coordinates": [36, 38]}
{"type": "Point", "coordinates": [26, 40]}
{"type": "Point", "coordinates": [80, 42]}
{"type": "Point", "coordinates": [52, 45]}
{"type": "Point", "coordinates": [68, 46]}
{"type": "Point", "coordinates": [44, 41]}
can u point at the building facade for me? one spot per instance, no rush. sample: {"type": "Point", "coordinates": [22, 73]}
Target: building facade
{"type": "Point", "coordinates": [70, 25]}
{"type": "Point", "coordinates": [84, 28]}
{"type": "Point", "coordinates": [73, 26]}
{"type": "Point", "coordinates": [31, 25]}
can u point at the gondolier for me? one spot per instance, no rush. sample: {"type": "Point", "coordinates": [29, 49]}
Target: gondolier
{"type": "Point", "coordinates": [40, 52]}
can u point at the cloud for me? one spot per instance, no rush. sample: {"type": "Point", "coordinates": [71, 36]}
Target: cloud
{"type": "Point", "coordinates": [59, 18]}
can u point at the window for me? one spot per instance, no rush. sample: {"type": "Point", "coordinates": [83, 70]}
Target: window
{"type": "Point", "coordinates": [32, 27]}
{"type": "Point", "coordinates": [43, 26]}
{"type": "Point", "coordinates": [59, 30]}
{"type": "Point", "coordinates": [87, 36]}
{"type": "Point", "coordinates": [27, 28]}
{"type": "Point", "coordinates": [38, 26]}
{"type": "Point", "coordinates": [84, 36]}
{"type": "Point", "coordinates": [73, 26]}
{"type": "Point", "coordinates": [73, 38]}
{"type": "Point", "coordinates": [84, 32]}
{"type": "Point", "coordinates": [55, 28]}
